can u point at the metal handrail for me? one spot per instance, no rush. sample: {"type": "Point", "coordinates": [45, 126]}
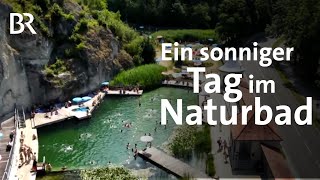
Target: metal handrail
{"type": "Point", "coordinates": [10, 159]}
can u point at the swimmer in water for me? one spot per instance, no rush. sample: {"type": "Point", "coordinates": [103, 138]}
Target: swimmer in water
{"type": "Point", "coordinates": [128, 145]}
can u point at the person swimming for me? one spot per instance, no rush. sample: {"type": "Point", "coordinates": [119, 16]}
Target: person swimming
{"type": "Point", "coordinates": [128, 125]}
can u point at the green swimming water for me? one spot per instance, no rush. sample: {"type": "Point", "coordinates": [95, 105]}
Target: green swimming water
{"type": "Point", "coordinates": [98, 141]}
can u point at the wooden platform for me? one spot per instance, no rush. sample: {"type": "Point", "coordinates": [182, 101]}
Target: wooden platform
{"type": "Point", "coordinates": [126, 93]}
{"type": "Point", "coordinates": [171, 164]}
{"type": "Point", "coordinates": [67, 113]}
{"type": "Point", "coordinates": [175, 83]}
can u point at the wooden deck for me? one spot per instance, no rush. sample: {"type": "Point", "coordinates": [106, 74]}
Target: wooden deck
{"type": "Point", "coordinates": [171, 164]}
{"type": "Point", "coordinates": [7, 126]}
{"type": "Point", "coordinates": [126, 93]}
{"type": "Point", "coordinates": [175, 83]}
{"type": "Point", "coordinates": [67, 113]}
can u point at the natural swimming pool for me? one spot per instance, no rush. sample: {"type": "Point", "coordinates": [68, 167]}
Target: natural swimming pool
{"type": "Point", "coordinates": [98, 141]}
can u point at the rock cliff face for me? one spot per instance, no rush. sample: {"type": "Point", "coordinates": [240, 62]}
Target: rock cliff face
{"type": "Point", "coordinates": [24, 57]}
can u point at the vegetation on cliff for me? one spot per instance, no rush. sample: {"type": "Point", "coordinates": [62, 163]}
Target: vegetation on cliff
{"type": "Point", "coordinates": [147, 76]}
{"type": "Point", "coordinates": [84, 31]}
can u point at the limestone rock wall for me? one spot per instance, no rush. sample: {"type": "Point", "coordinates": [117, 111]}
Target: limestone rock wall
{"type": "Point", "coordinates": [23, 58]}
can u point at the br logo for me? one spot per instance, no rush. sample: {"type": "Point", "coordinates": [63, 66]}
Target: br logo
{"type": "Point", "coordinates": [20, 19]}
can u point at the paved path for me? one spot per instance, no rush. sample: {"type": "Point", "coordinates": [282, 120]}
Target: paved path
{"type": "Point", "coordinates": [24, 172]}
{"type": "Point", "coordinates": [301, 143]}
{"type": "Point", "coordinates": [171, 164]}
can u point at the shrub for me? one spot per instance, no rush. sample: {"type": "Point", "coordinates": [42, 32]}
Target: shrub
{"type": "Point", "coordinates": [115, 173]}
{"type": "Point", "coordinates": [183, 142]}
{"type": "Point", "coordinates": [203, 140]}
{"type": "Point", "coordinates": [210, 168]}
{"type": "Point", "coordinates": [148, 76]}
{"type": "Point", "coordinates": [57, 68]}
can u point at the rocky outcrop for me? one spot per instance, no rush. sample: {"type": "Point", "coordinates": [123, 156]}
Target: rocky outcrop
{"type": "Point", "coordinates": [24, 57]}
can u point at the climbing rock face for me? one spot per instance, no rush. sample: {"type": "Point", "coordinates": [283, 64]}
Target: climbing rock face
{"type": "Point", "coordinates": [24, 57]}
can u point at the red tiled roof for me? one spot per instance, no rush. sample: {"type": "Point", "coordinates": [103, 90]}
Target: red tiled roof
{"type": "Point", "coordinates": [277, 163]}
{"type": "Point", "coordinates": [253, 132]}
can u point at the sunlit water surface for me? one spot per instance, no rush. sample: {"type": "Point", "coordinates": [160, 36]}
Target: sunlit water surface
{"type": "Point", "coordinates": [102, 139]}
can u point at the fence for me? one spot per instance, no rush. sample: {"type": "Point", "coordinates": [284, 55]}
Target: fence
{"type": "Point", "coordinates": [14, 152]}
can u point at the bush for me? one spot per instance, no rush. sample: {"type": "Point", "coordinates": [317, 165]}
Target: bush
{"type": "Point", "coordinates": [115, 173]}
{"type": "Point", "coordinates": [203, 140]}
{"type": "Point", "coordinates": [183, 142]}
{"type": "Point", "coordinates": [55, 69]}
{"type": "Point", "coordinates": [134, 47]}
{"type": "Point", "coordinates": [148, 76]}
{"type": "Point", "coordinates": [210, 168]}
{"type": "Point", "coordinates": [148, 53]}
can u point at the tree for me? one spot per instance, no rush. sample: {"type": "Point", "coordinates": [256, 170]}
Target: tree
{"type": "Point", "coordinates": [299, 22]}
{"type": "Point", "coordinates": [148, 53]}
{"type": "Point", "coordinates": [234, 20]}
{"type": "Point", "coordinates": [200, 15]}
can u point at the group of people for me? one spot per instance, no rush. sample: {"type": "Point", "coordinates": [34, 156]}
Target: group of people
{"type": "Point", "coordinates": [123, 90]}
{"type": "Point", "coordinates": [53, 110]}
{"type": "Point", "coordinates": [134, 150]}
{"type": "Point", "coordinates": [223, 146]}
{"type": "Point", "coordinates": [26, 153]}
{"type": "Point", "coordinates": [155, 128]}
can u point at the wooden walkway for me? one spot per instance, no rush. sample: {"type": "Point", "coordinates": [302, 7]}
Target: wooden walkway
{"type": "Point", "coordinates": [171, 164]}
{"type": "Point", "coordinates": [126, 93]}
{"type": "Point", "coordinates": [175, 83]}
{"type": "Point", "coordinates": [67, 113]}
{"type": "Point", "coordinates": [7, 126]}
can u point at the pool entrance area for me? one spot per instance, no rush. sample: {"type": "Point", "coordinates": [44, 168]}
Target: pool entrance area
{"type": "Point", "coordinates": [102, 140]}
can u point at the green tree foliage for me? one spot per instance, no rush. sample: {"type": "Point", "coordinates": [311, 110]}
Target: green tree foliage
{"type": "Point", "coordinates": [57, 68]}
{"type": "Point", "coordinates": [95, 4]}
{"type": "Point", "coordinates": [299, 22]}
{"type": "Point", "coordinates": [234, 19]}
{"type": "Point", "coordinates": [166, 12]}
{"type": "Point", "coordinates": [148, 53]}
